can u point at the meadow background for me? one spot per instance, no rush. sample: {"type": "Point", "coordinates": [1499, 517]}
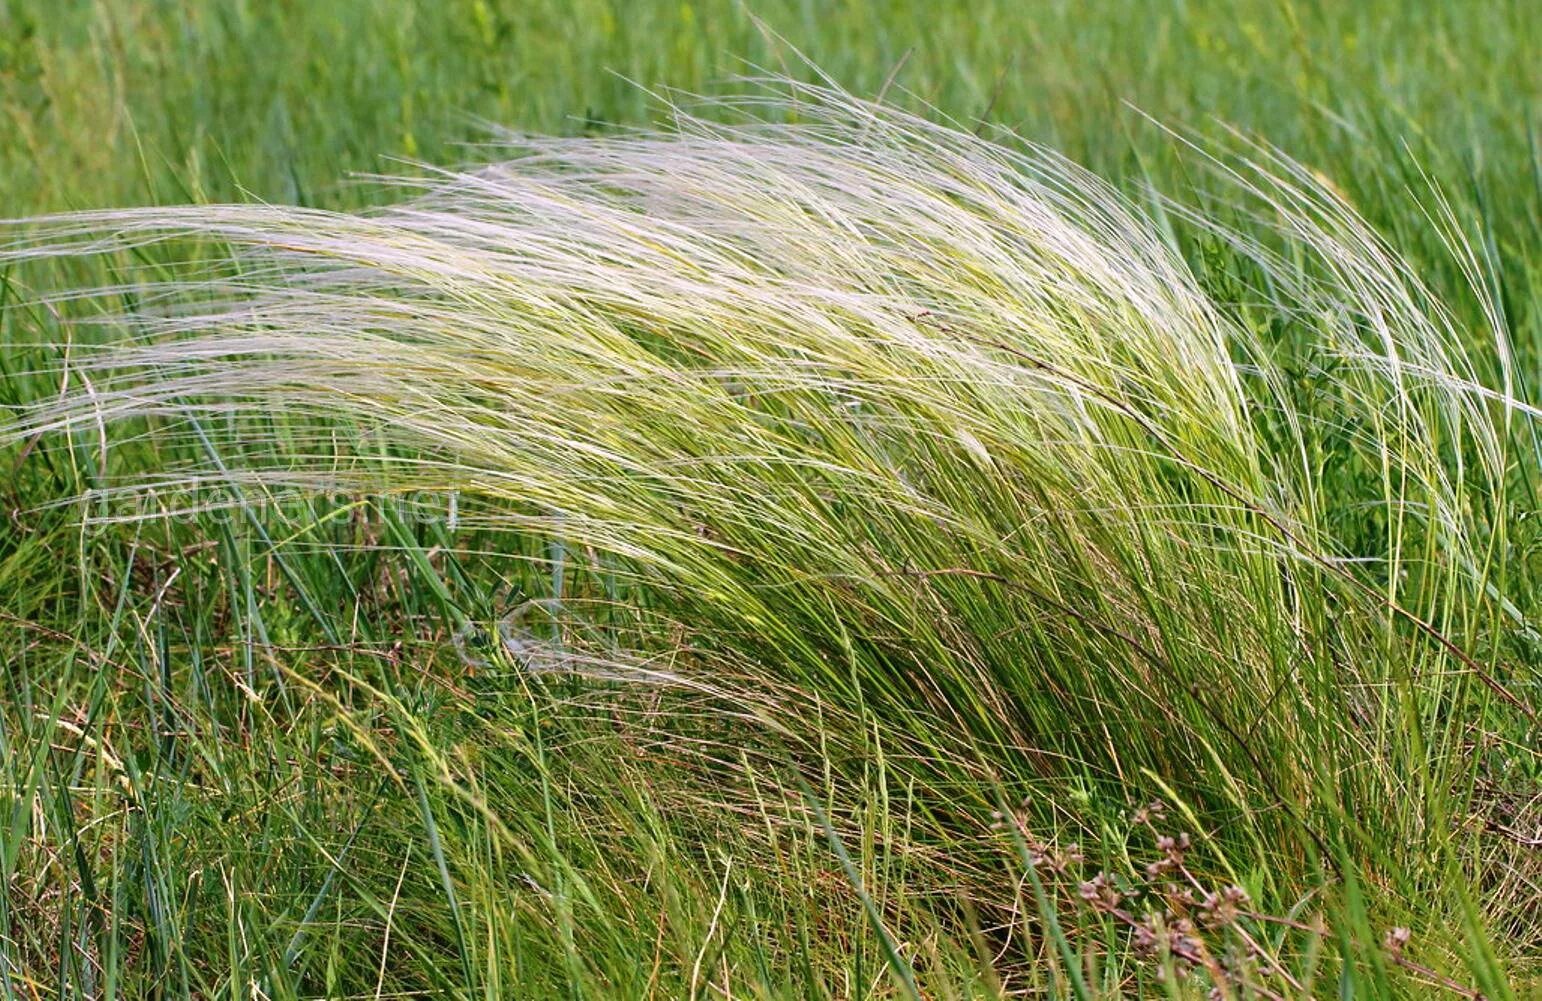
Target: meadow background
{"type": "Point", "coordinates": [240, 756]}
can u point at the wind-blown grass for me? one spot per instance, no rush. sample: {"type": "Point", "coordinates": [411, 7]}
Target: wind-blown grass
{"type": "Point", "coordinates": [882, 445]}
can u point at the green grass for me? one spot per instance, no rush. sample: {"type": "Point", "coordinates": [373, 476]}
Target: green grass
{"type": "Point", "coordinates": [241, 756]}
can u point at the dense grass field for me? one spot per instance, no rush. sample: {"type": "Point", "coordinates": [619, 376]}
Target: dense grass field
{"type": "Point", "coordinates": [906, 567]}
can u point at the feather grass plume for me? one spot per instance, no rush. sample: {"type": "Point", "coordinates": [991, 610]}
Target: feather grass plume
{"type": "Point", "coordinates": [914, 426]}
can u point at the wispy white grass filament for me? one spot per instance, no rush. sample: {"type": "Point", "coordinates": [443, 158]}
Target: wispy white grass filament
{"type": "Point", "coordinates": [897, 414]}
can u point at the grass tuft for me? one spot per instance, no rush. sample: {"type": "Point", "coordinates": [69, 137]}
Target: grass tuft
{"type": "Point", "coordinates": [833, 458]}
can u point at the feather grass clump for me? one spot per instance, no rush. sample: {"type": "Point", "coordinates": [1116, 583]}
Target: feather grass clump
{"type": "Point", "coordinates": [944, 437]}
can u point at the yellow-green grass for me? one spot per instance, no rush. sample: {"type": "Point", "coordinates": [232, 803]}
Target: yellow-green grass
{"type": "Point", "coordinates": [897, 504]}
